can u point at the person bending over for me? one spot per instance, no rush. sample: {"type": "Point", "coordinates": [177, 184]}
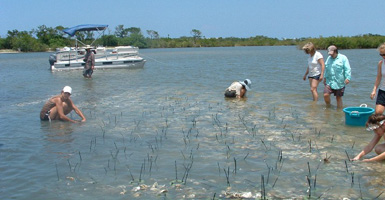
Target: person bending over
{"type": "Point", "coordinates": [57, 107]}
{"type": "Point", "coordinates": [238, 89]}
{"type": "Point", "coordinates": [375, 123]}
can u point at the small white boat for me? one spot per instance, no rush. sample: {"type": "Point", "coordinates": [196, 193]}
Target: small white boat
{"type": "Point", "coordinates": [71, 58]}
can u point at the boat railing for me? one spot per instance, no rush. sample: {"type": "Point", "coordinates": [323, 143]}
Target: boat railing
{"type": "Point", "coordinates": [75, 54]}
{"type": "Point", "coordinates": [70, 55]}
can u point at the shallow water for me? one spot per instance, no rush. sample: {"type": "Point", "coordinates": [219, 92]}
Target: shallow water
{"type": "Point", "coordinates": [166, 131]}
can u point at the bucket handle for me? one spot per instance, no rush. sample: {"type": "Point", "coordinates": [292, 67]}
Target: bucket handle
{"type": "Point", "coordinates": [355, 114]}
{"type": "Point", "coordinates": [363, 105]}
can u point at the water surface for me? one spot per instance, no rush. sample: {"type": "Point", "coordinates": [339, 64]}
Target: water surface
{"type": "Point", "coordinates": [166, 131]}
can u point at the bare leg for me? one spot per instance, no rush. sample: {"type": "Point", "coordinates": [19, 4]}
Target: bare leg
{"type": "Point", "coordinates": [339, 102]}
{"type": "Point", "coordinates": [66, 108]}
{"type": "Point", "coordinates": [379, 109]}
{"type": "Point", "coordinates": [313, 88]}
{"type": "Point", "coordinates": [54, 115]}
{"type": "Point", "coordinates": [327, 99]}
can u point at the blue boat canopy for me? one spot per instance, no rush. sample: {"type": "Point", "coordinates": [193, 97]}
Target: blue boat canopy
{"type": "Point", "coordinates": [84, 27]}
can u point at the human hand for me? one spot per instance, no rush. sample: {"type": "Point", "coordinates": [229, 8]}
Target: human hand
{"type": "Point", "coordinates": [355, 158]}
{"type": "Point", "coordinates": [372, 95]}
{"type": "Point", "coordinates": [321, 78]}
{"type": "Point", "coordinates": [347, 81]}
{"type": "Point", "coordinates": [304, 77]}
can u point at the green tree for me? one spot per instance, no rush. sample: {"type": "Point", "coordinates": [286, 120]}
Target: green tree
{"type": "Point", "coordinates": [108, 40]}
{"type": "Point", "coordinates": [196, 35]}
{"type": "Point", "coordinates": [120, 31]}
{"type": "Point", "coordinates": [153, 34]}
{"type": "Point", "coordinates": [138, 40]}
{"type": "Point", "coordinates": [10, 36]}
{"type": "Point", "coordinates": [52, 37]}
{"type": "Point", "coordinates": [134, 30]}
{"type": "Point", "coordinates": [23, 41]}
{"type": "Point", "coordinates": [89, 35]}
{"type": "Point", "coordinates": [135, 38]}
{"type": "Point", "coordinates": [44, 34]}
{"type": "Point", "coordinates": [2, 42]}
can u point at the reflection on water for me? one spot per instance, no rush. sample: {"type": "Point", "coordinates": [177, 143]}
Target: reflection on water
{"type": "Point", "coordinates": [166, 131]}
{"type": "Point", "coordinates": [57, 131]}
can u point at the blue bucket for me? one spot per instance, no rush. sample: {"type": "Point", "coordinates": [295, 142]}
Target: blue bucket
{"type": "Point", "coordinates": [357, 116]}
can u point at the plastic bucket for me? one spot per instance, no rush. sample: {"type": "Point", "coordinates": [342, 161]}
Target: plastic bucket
{"type": "Point", "coordinates": [357, 116]}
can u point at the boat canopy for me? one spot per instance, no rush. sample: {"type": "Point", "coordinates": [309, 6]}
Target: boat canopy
{"type": "Point", "coordinates": [84, 27]}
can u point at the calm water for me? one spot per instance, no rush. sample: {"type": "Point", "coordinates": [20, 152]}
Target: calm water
{"type": "Point", "coordinates": [166, 131]}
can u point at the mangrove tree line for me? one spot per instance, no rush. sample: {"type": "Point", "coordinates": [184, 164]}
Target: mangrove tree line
{"type": "Point", "coordinates": [45, 38]}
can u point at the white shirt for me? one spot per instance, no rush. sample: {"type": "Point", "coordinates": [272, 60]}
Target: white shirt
{"type": "Point", "coordinates": [314, 65]}
{"type": "Point", "coordinates": [237, 86]}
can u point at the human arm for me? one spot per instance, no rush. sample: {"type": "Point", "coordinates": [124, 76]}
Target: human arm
{"type": "Point", "coordinates": [79, 112]}
{"type": "Point", "coordinates": [376, 158]}
{"type": "Point", "coordinates": [368, 148]}
{"type": "Point", "coordinates": [60, 110]}
{"type": "Point", "coordinates": [92, 60]}
{"type": "Point", "coordinates": [326, 70]}
{"type": "Point", "coordinates": [378, 80]}
{"type": "Point", "coordinates": [306, 73]}
{"type": "Point", "coordinates": [347, 70]}
{"type": "Point", "coordinates": [322, 63]}
{"type": "Point", "coordinates": [242, 93]}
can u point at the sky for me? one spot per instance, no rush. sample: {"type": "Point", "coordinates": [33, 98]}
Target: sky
{"type": "Point", "coordinates": [213, 18]}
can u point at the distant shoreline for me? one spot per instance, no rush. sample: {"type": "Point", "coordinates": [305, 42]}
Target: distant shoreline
{"type": "Point", "coordinates": [8, 51]}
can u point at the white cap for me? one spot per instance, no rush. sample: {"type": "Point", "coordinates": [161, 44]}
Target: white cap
{"type": "Point", "coordinates": [67, 89]}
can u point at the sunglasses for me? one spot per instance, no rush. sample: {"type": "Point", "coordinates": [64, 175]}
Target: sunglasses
{"type": "Point", "coordinates": [67, 93]}
{"type": "Point", "coordinates": [381, 54]}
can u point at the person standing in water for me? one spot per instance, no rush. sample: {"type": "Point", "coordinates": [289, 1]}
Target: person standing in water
{"type": "Point", "coordinates": [337, 75]}
{"type": "Point", "coordinates": [315, 69]}
{"type": "Point", "coordinates": [89, 59]}
{"type": "Point", "coordinates": [380, 101]}
{"type": "Point", "coordinates": [57, 107]}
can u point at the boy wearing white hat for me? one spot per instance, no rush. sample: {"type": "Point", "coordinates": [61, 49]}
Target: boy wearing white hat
{"type": "Point", "coordinates": [57, 107]}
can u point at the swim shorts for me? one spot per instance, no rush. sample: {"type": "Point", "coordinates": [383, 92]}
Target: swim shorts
{"type": "Point", "coordinates": [230, 94]}
{"type": "Point", "coordinates": [380, 97]}
{"type": "Point", "coordinates": [314, 77]}
{"type": "Point", "coordinates": [46, 116]}
{"type": "Point", "coordinates": [338, 93]}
